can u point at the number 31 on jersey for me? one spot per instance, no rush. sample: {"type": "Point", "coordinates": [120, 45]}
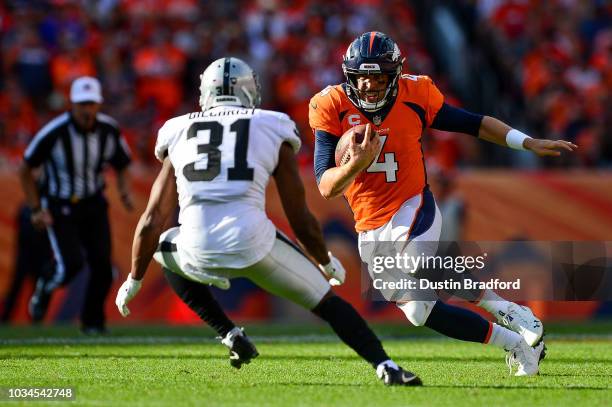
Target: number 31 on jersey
{"type": "Point", "coordinates": [240, 172]}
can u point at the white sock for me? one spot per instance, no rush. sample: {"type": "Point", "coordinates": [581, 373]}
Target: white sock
{"type": "Point", "coordinates": [503, 337]}
{"type": "Point", "coordinates": [494, 304]}
{"type": "Point", "coordinates": [381, 366]}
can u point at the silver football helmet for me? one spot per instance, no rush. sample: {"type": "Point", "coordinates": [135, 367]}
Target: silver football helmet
{"type": "Point", "coordinates": [229, 82]}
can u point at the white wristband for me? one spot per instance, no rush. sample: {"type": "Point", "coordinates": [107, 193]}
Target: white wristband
{"type": "Point", "coordinates": [515, 139]}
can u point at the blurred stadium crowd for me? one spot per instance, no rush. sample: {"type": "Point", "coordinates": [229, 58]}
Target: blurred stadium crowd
{"type": "Point", "coordinates": [555, 56]}
{"type": "Point", "coordinates": [559, 55]}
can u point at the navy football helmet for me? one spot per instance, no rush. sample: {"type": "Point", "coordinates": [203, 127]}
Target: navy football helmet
{"type": "Point", "coordinates": [372, 53]}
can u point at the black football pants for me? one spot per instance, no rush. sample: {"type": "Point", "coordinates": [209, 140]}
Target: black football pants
{"type": "Point", "coordinates": [80, 233]}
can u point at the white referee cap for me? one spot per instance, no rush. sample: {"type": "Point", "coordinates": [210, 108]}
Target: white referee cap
{"type": "Point", "coordinates": [86, 89]}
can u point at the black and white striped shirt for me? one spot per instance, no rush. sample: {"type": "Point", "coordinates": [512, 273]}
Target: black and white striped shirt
{"type": "Point", "coordinates": [73, 162]}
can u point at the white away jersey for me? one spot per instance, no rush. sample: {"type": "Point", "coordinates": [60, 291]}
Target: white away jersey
{"type": "Point", "coordinates": [223, 159]}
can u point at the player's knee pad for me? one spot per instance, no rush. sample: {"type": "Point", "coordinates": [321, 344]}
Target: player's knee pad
{"type": "Point", "coordinates": [417, 312]}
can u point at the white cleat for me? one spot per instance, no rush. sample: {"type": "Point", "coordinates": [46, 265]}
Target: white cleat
{"type": "Point", "coordinates": [526, 358]}
{"type": "Point", "coordinates": [522, 321]}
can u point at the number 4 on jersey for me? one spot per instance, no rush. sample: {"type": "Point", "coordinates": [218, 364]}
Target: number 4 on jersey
{"type": "Point", "coordinates": [389, 166]}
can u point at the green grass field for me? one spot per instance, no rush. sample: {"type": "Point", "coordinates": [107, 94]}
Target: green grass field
{"type": "Point", "coordinates": [299, 366]}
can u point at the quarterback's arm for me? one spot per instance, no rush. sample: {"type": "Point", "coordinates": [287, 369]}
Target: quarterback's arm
{"type": "Point", "coordinates": [161, 205]}
{"type": "Point", "coordinates": [332, 180]}
{"type": "Point", "coordinates": [291, 191]}
{"type": "Point", "coordinates": [335, 180]}
{"type": "Point", "coordinates": [498, 132]}
{"type": "Point", "coordinates": [488, 128]}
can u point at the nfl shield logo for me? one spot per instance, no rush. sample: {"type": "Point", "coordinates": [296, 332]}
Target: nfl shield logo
{"type": "Point", "coordinates": [377, 120]}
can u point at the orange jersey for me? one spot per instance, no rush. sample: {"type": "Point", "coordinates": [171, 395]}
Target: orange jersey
{"type": "Point", "coordinates": [398, 174]}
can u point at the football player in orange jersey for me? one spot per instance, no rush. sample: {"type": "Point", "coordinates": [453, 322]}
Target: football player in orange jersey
{"type": "Point", "coordinates": [385, 181]}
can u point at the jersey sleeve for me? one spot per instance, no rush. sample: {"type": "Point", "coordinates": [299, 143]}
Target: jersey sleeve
{"type": "Point", "coordinates": [450, 118]}
{"type": "Point", "coordinates": [164, 136]}
{"type": "Point", "coordinates": [322, 114]}
{"type": "Point", "coordinates": [39, 149]}
{"type": "Point", "coordinates": [324, 153]}
{"type": "Point", "coordinates": [122, 156]}
{"type": "Point", "coordinates": [289, 132]}
{"type": "Point", "coordinates": [435, 99]}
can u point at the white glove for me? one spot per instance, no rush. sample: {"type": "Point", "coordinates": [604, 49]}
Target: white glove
{"type": "Point", "coordinates": [334, 270]}
{"type": "Point", "coordinates": [127, 291]}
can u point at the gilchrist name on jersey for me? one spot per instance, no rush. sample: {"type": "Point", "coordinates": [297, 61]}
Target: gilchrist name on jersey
{"type": "Point", "coordinates": [222, 160]}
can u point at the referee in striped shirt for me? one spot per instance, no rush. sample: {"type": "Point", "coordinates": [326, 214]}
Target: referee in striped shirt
{"type": "Point", "coordinates": [73, 149]}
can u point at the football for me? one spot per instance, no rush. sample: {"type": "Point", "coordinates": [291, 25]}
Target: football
{"type": "Point", "coordinates": [342, 155]}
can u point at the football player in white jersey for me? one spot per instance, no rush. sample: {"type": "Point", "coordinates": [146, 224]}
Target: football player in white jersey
{"type": "Point", "coordinates": [217, 162]}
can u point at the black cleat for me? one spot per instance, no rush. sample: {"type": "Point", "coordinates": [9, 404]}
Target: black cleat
{"type": "Point", "coordinates": [39, 302]}
{"type": "Point", "coordinates": [241, 349]}
{"type": "Point", "coordinates": [543, 353]}
{"type": "Point", "coordinates": [398, 377]}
